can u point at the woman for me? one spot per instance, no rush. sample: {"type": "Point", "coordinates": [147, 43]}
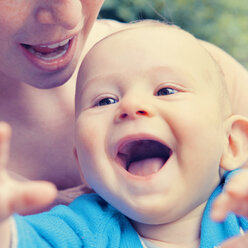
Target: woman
{"type": "Point", "coordinates": [42, 42]}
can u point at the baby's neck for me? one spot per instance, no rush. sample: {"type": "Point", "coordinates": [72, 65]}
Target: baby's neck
{"type": "Point", "coordinates": [183, 233]}
{"type": "Point", "coordinates": [146, 243]}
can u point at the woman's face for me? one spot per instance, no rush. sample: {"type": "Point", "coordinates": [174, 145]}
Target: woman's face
{"type": "Point", "coordinates": [41, 40]}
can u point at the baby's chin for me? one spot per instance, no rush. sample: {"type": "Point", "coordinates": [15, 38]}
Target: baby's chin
{"type": "Point", "coordinates": [160, 215]}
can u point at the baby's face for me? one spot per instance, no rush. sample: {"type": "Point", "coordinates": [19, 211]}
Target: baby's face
{"type": "Point", "coordinates": [149, 129]}
{"type": "Point", "coordinates": [27, 27]}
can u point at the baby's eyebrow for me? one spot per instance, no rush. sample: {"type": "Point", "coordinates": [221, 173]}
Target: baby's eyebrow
{"type": "Point", "coordinates": [86, 84]}
{"type": "Point", "coordinates": [175, 71]}
{"type": "Point", "coordinates": [99, 83]}
{"type": "Point", "coordinates": [161, 72]}
{"type": "Point", "coordinates": [102, 77]}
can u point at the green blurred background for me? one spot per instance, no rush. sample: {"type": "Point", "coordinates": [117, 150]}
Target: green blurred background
{"type": "Point", "coordinates": [222, 22]}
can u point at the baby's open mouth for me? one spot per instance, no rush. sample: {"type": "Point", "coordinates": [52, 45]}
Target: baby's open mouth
{"type": "Point", "coordinates": [143, 157]}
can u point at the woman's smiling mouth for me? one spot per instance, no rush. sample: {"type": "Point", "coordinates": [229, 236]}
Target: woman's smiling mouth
{"type": "Point", "coordinates": [53, 56]}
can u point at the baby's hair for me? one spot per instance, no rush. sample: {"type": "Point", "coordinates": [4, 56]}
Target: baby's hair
{"type": "Point", "coordinates": [221, 87]}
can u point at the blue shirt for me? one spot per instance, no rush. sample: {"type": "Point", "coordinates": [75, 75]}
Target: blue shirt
{"type": "Point", "coordinates": [92, 223]}
{"type": "Point", "coordinates": [87, 222]}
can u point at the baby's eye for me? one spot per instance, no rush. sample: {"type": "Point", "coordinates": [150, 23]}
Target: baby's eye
{"type": "Point", "coordinates": [106, 101]}
{"type": "Point", "coordinates": [166, 91]}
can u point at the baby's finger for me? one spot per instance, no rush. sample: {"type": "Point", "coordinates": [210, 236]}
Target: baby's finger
{"type": "Point", "coordinates": [234, 198]}
{"type": "Point", "coordinates": [226, 203]}
{"type": "Point", "coordinates": [237, 242]}
{"type": "Point", "coordinates": [24, 197]}
{"type": "Point", "coordinates": [238, 185]}
{"type": "Point", "coordinates": [5, 132]}
{"type": "Point", "coordinates": [221, 207]}
{"type": "Point", "coordinates": [32, 197]}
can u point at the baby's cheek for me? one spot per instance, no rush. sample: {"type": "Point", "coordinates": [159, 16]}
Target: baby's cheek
{"type": "Point", "coordinates": [89, 132]}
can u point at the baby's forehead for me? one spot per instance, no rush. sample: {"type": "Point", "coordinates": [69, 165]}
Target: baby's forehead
{"type": "Point", "coordinates": [150, 35]}
{"type": "Point", "coordinates": [141, 46]}
{"type": "Point", "coordinates": [147, 36]}
{"type": "Point", "coordinates": [147, 45]}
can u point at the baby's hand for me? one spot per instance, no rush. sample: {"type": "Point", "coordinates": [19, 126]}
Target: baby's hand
{"type": "Point", "coordinates": [233, 199]}
{"type": "Point", "coordinates": [15, 196]}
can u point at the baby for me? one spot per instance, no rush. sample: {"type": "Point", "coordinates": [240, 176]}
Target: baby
{"type": "Point", "coordinates": [155, 138]}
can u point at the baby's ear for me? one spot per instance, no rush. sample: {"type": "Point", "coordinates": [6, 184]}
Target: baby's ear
{"type": "Point", "coordinates": [236, 148]}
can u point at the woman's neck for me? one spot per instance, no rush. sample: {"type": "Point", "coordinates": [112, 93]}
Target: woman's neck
{"type": "Point", "coordinates": [40, 119]}
{"type": "Point", "coordinates": [8, 85]}
{"type": "Point", "coordinates": [35, 101]}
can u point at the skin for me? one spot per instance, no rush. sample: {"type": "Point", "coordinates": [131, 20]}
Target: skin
{"type": "Point", "coordinates": [31, 111]}
{"type": "Point", "coordinates": [197, 89]}
{"type": "Point", "coordinates": [38, 22]}
{"type": "Point", "coordinates": [50, 112]}
{"type": "Point", "coordinates": [168, 204]}
{"type": "Point", "coordinates": [234, 199]}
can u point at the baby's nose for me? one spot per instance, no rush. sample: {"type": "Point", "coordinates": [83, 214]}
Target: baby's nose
{"type": "Point", "coordinates": [131, 108]}
{"type": "Point", "coordinates": [134, 114]}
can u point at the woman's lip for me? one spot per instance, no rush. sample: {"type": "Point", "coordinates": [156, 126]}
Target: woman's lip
{"type": "Point", "coordinates": [53, 64]}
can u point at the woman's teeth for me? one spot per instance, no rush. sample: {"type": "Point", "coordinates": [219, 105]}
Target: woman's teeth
{"type": "Point", "coordinates": [49, 55]}
{"type": "Point", "coordinates": [55, 45]}
{"type": "Point", "coordinates": [49, 52]}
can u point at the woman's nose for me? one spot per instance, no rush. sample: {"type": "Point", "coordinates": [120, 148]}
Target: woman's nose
{"type": "Point", "coordinates": [65, 13]}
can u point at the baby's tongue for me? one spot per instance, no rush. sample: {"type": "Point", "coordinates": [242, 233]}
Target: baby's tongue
{"type": "Point", "coordinates": [146, 167]}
